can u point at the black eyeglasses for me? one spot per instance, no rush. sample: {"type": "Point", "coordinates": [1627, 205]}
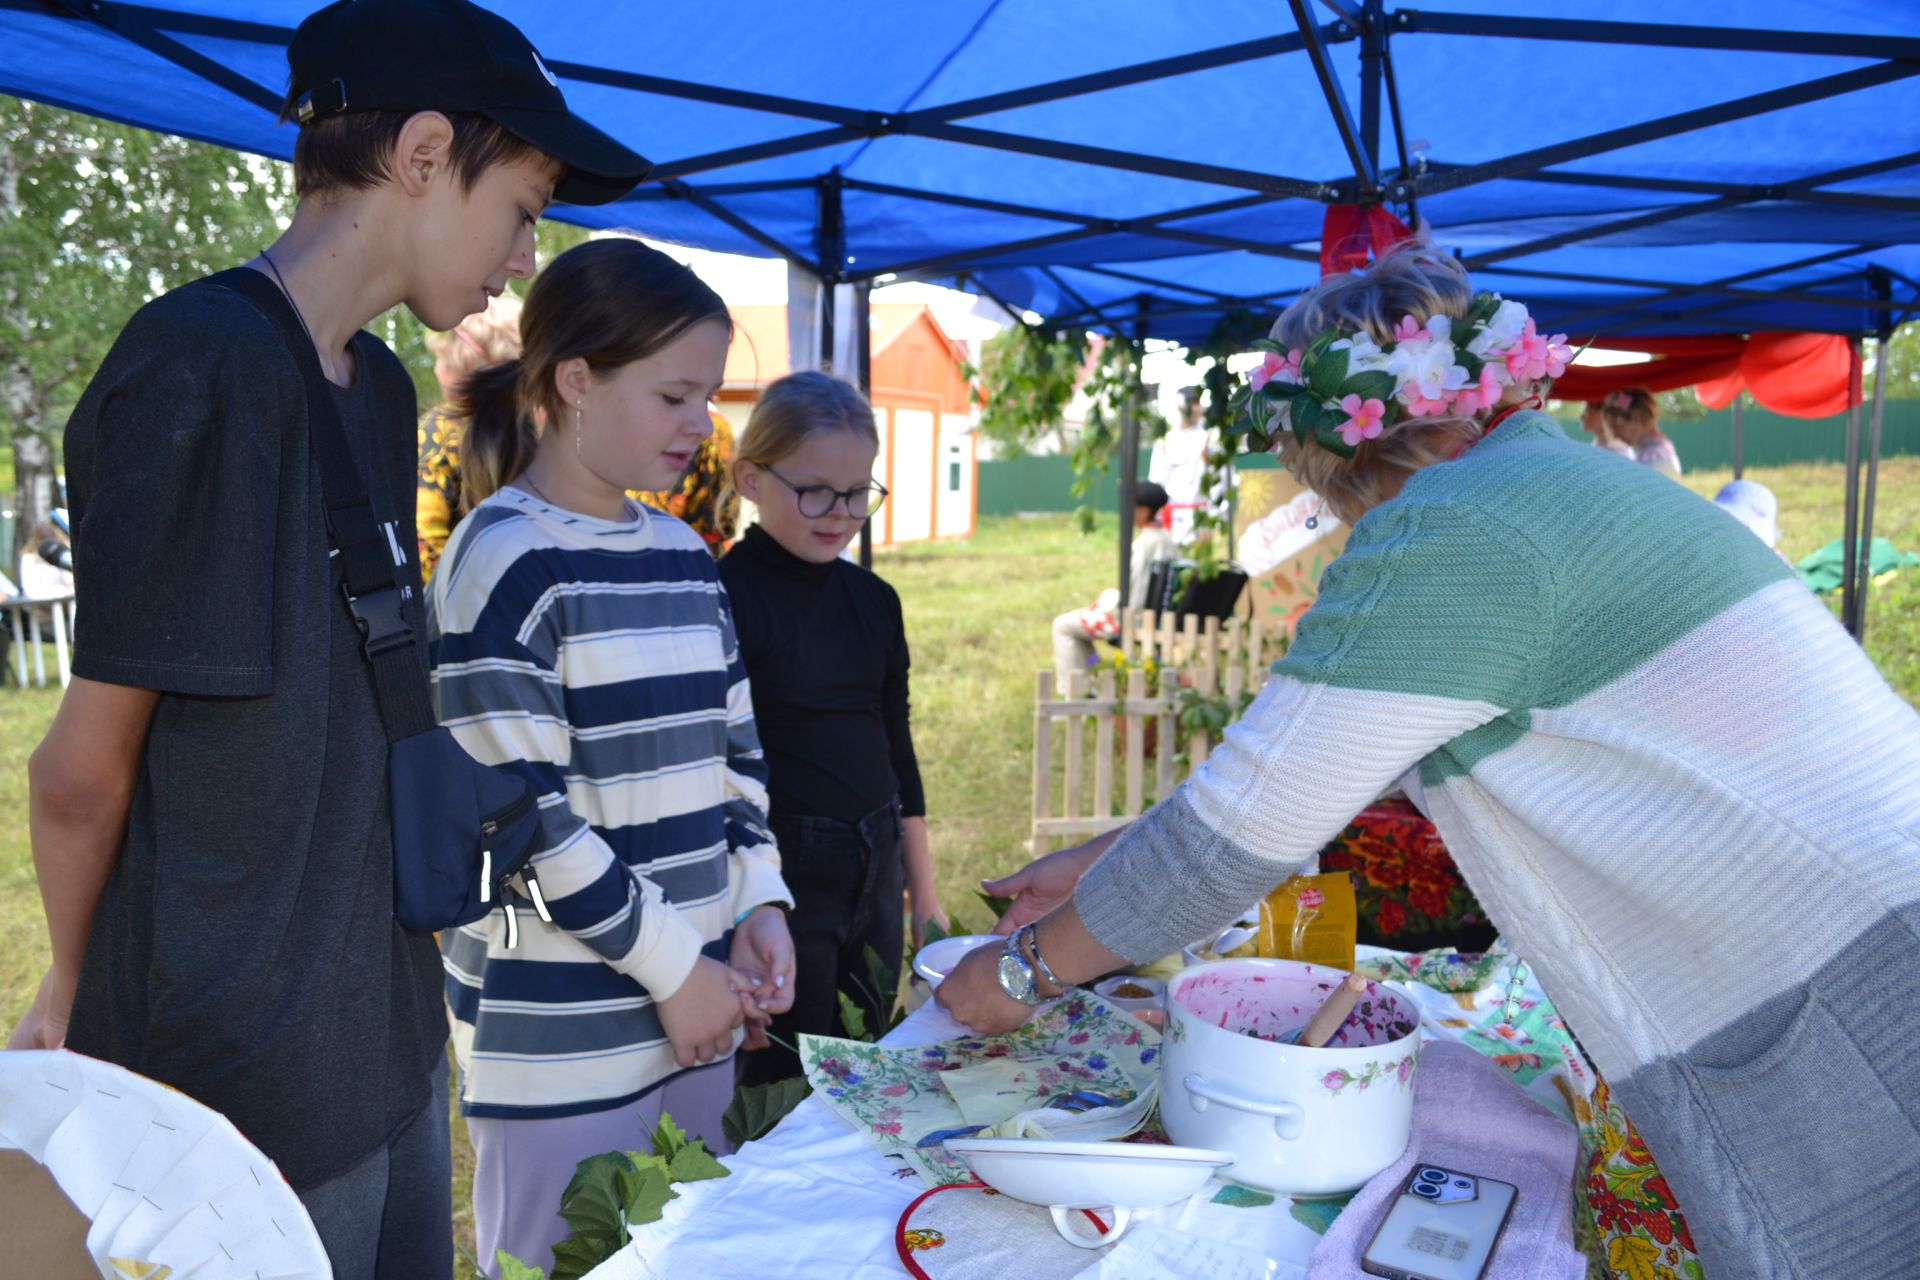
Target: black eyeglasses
{"type": "Point", "coordinates": [816, 500]}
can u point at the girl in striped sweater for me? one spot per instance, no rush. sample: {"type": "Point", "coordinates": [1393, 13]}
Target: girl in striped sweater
{"type": "Point", "coordinates": [584, 641]}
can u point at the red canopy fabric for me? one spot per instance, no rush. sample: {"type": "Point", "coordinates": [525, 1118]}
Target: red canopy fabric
{"type": "Point", "coordinates": [1801, 375]}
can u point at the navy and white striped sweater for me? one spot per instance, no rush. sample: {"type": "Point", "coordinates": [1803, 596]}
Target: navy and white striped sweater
{"type": "Point", "coordinates": [598, 659]}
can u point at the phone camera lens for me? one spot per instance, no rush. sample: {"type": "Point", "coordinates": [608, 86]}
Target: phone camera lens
{"type": "Point", "coordinates": [1433, 1175]}
{"type": "Point", "coordinates": [1463, 1184]}
{"type": "Point", "coordinates": [1426, 1189]}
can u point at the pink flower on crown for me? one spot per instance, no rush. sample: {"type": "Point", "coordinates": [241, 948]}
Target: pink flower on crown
{"type": "Point", "coordinates": [1534, 356]}
{"type": "Point", "coordinates": [1364, 419]}
{"type": "Point", "coordinates": [1273, 364]}
{"type": "Point", "coordinates": [1485, 393]}
{"type": "Point", "coordinates": [1408, 329]}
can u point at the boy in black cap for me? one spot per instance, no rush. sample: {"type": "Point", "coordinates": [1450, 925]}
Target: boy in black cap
{"type": "Point", "coordinates": [209, 809]}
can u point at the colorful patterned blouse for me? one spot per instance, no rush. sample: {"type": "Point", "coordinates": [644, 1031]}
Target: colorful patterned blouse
{"type": "Point", "coordinates": [704, 498]}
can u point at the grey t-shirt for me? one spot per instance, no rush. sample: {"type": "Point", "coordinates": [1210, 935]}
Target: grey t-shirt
{"type": "Point", "coordinates": [245, 949]}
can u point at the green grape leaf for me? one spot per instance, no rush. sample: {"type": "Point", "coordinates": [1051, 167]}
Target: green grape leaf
{"type": "Point", "coordinates": [694, 1163]}
{"type": "Point", "coordinates": [931, 932]}
{"type": "Point", "coordinates": [996, 904]}
{"type": "Point", "coordinates": [511, 1268]}
{"type": "Point", "coordinates": [853, 1018]}
{"type": "Point", "coordinates": [646, 1192]}
{"type": "Point", "coordinates": [575, 1256]}
{"type": "Point", "coordinates": [756, 1108]}
{"type": "Point", "coordinates": [593, 1202]}
{"type": "Point", "coordinates": [668, 1138]}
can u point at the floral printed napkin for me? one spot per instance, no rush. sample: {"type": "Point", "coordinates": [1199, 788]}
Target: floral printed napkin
{"type": "Point", "coordinates": [898, 1096]}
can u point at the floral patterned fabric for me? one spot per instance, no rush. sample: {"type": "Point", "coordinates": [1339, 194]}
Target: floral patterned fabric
{"type": "Point", "coordinates": [896, 1096]}
{"type": "Point", "coordinates": [704, 497]}
{"type": "Point", "coordinates": [1410, 894]}
{"type": "Point", "coordinates": [438, 486]}
{"type": "Point", "coordinates": [1641, 1232]}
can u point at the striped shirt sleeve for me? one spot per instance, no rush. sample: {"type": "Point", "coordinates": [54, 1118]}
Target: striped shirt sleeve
{"type": "Point", "coordinates": [501, 695]}
{"type": "Point", "coordinates": [1429, 627]}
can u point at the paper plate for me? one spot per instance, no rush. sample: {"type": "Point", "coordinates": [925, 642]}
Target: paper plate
{"type": "Point", "coordinates": [169, 1187]}
{"type": "Point", "coordinates": [936, 960]}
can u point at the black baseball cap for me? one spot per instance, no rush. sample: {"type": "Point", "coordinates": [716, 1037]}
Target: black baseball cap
{"type": "Point", "coordinates": [450, 55]}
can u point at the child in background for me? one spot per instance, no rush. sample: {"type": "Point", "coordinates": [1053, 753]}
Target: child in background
{"type": "Point", "coordinates": [1629, 424]}
{"type": "Point", "coordinates": [488, 338]}
{"type": "Point", "coordinates": [584, 641]}
{"type": "Point", "coordinates": [826, 651]}
{"type": "Point", "coordinates": [1076, 630]}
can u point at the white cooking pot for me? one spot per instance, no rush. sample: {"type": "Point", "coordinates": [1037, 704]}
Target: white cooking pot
{"type": "Point", "coordinates": [1305, 1122]}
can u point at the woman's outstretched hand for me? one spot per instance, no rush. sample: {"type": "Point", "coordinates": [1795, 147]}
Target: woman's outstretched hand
{"type": "Point", "coordinates": [1045, 883]}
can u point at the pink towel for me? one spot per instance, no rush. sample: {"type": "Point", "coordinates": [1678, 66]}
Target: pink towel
{"type": "Point", "coordinates": [1469, 1116]}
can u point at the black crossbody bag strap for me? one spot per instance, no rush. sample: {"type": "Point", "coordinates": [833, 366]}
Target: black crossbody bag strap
{"type": "Point", "coordinates": [375, 593]}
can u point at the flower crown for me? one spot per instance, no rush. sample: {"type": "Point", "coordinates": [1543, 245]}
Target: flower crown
{"type": "Point", "coordinates": [1343, 388]}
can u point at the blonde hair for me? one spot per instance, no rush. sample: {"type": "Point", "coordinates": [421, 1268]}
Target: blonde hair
{"type": "Point", "coordinates": [1633, 408]}
{"type": "Point", "coordinates": [491, 337]}
{"type": "Point", "coordinates": [1411, 280]}
{"type": "Point", "coordinates": [799, 406]}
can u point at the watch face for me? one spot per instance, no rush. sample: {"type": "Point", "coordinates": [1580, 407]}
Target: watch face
{"type": "Point", "coordinates": [1015, 979]}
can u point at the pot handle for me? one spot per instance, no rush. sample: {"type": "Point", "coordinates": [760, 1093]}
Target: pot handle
{"type": "Point", "coordinates": [1064, 1219]}
{"type": "Point", "coordinates": [1288, 1118]}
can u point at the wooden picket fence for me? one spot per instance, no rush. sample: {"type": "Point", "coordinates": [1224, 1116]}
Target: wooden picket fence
{"type": "Point", "coordinates": [1096, 743]}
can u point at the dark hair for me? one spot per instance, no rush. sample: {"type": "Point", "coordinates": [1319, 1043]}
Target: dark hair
{"type": "Point", "coordinates": [608, 302]}
{"type": "Point", "coordinates": [1151, 496]}
{"type": "Point", "coordinates": [356, 150]}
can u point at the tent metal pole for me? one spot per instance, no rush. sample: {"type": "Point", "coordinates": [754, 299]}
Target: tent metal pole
{"type": "Point", "coordinates": [1130, 455]}
{"type": "Point", "coordinates": [1850, 528]}
{"type": "Point", "coordinates": [831, 244]}
{"type": "Point", "coordinates": [1359, 154]}
{"type": "Point", "coordinates": [1739, 402]}
{"type": "Point", "coordinates": [863, 361]}
{"type": "Point", "coordinates": [1865, 576]}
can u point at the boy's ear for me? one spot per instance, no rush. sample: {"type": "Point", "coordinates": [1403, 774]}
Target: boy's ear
{"type": "Point", "coordinates": [570, 380]}
{"type": "Point", "coordinates": [423, 151]}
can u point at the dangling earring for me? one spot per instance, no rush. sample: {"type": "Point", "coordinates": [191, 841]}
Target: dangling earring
{"type": "Point", "coordinates": [578, 427]}
{"type": "Point", "coordinates": [1313, 521]}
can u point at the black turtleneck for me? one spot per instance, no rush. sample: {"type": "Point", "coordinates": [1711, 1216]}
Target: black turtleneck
{"type": "Point", "coordinates": [826, 652]}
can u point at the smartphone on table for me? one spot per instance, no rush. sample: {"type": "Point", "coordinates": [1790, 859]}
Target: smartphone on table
{"type": "Point", "coordinates": [1441, 1226]}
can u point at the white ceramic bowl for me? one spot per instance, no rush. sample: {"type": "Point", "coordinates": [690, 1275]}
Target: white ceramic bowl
{"type": "Point", "coordinates": [1089, 1175]}
{"type": "Point", "coordinates": [936, 960]}
{"type": "Point", "coordinates": [1156, 997]}
{"type": "Point", "coordinates": [1304, 1122]}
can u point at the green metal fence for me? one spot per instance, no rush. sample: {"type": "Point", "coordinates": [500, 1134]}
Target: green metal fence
{"type": "Point", "coordinates": [1012, 485]}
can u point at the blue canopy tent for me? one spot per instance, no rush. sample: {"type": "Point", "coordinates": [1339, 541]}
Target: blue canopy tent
{"type": "Point", "coordinates": [1624, 172]}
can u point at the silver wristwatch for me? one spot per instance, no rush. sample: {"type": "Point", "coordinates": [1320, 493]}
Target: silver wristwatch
{"type": "Point", "coordinates": [1016, 975]}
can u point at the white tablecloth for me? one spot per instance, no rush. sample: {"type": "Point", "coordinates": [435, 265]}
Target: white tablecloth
{"type": "Point", "coordinates": [813, 1198]}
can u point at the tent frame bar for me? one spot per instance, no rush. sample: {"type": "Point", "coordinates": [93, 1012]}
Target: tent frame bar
{"type": "Point", "coordinates": [1659, 34]}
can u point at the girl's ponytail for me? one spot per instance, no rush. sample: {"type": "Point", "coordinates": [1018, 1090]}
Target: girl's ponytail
{"type": "Point", "coordinates": [498, 438]}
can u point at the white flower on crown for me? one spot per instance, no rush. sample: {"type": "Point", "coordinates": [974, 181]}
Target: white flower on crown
{"type": "Point", "coordinates": [1425, 370]}
{"type": "Point", "coordinates": [1503, 329]}
{"type": "Point", "coordinates": [1363, 353]}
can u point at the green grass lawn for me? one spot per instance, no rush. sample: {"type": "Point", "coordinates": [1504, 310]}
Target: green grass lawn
{"type": "Point", "coordinates": [977, 615]}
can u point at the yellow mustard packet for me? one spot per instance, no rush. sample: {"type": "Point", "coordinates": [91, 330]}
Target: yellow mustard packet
{"type": "Point", "coordinates": [1311, 918]}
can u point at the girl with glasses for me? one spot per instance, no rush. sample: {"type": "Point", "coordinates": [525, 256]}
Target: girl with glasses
{"type": "Point", "coordinates": [826, 657]}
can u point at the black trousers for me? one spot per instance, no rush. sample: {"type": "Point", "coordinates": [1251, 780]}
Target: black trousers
{"type": "Point", "coordinates": [846, 880]}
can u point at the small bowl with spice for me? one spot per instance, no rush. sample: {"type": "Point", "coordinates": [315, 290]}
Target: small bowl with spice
{"type": "Point", "coordinates": [1132, 992]}
{"type": "Point", "coordinates": [1300, 1119]}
